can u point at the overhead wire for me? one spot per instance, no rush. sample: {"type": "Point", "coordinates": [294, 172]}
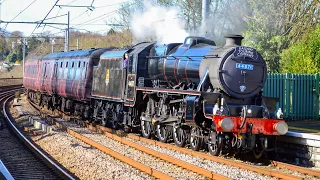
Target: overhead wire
{"type": "Point", "coordinates": [72, 2]}
{"type": "Point", "coordinates": [79, 15]}
{"type": "Point", "coordinates": [44, 17]}
{"type": "Point", "coordinates": [56, 17]}
{"type": "Point", "coordinates": [19, 13]}
{"type": "Point", "coordinates": [110, 5]}
{"type": "Point", "coordinates": [53, 19]}
{"type": "Point", "coordinates": [85, 11]}
{"type": "Point", "coordinates": [101, 17]}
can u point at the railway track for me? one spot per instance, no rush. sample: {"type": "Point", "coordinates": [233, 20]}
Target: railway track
{"type": "Point", "coordinates": [281, 167]}
{"type": "Point", "coordinates": [21, 157]}
{"type": "Point", "coordinates": [278, 169]}
{"type": "Point", "coordinates": [138, 164]}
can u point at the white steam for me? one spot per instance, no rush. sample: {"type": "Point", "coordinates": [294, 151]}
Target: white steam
{"type": "Point", "coordinates": [158, 23]}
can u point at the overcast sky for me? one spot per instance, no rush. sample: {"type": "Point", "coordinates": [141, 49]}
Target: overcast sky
{"type": "Point", "coordinates": [104, 11]}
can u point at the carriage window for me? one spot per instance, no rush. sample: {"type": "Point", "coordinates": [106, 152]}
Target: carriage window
{"type": "Point", "coordinates": [72, 64]}
{"type": "Point", "coordinates": [79, 64]}
{"type": "Point", "coordinates": [67, 64]}
{"type": "Point", "coordinates": [61, 64]}
{"type": "Point", "coordinates": [84, 64]}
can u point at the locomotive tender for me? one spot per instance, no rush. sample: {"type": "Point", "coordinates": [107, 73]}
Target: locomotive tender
{"type": "Point", "coordinates": [193, 92]}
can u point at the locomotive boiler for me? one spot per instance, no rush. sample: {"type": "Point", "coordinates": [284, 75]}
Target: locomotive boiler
{"type": "Point", "coordinates": [193, 92]}
{"type": "Point", "coordinates": [238, 71]}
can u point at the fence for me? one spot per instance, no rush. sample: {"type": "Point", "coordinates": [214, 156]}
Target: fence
{"type": "Point", "coordinates": [10, 81]}
{"type": "Point", "coordinates": [298, 94]}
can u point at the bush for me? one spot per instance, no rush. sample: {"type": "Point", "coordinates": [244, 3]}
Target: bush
{"type": "Point", "coordinates": [12, 57]}
{"type": "Point", "coordinates": [304, 56]}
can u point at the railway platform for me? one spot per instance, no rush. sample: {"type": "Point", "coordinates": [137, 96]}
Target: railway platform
{"type": "Point", "coordinates": [4, 173]}
{"type": "Point", "coordinates": [302, 143]}
{"type": "Point", "coordinates": [307, 126]}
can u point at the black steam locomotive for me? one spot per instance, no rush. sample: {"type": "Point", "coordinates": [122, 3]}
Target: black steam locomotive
{"type": "Point", "coordinates": [193, 92]}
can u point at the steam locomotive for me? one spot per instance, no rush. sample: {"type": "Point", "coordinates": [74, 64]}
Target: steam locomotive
{"type": "Point", "coordinates": [194, 92]}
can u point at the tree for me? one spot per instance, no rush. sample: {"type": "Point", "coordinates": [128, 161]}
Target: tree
{"type": "Point", "coordinates": [304, 56]}
{"type": "Point", "coordinates": [264, 29]}
{"type": "Point", "coordinates": [274, 25]}
{"type": "Point", "coordinates": [111, 32]}
{"type": "Point", "coordinates": [4, 51]}
{"type": "Point", "coordinates": [12, 57]}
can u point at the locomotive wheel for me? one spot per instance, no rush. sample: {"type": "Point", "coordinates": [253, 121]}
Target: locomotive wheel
{"type": "Point", "coordinates": [114, 121]}
{"type": "Point", "coordinates": [214, 143]}
{"type": "Point", "coordinates": [162, 133]}
{"type": "Point", "coordinates": [104, 122]}
{"type": "Point", "coordinates": [195, 139]}
{"type": "Point", "coordinates": [146, 129]}
{"type": "Point", "coordinates": [179, 136]}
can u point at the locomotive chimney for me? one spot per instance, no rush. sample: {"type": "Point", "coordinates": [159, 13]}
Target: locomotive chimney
{"type": "Point", "coordinates": [233, 40]}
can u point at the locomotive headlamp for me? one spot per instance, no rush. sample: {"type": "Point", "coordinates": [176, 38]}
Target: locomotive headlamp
{"type": "Point", "coordinates": [249, 111]}
{"type": "Point", "coordinates": [226, 124]}
{"type": "Point", "coordinates": [281, 128]}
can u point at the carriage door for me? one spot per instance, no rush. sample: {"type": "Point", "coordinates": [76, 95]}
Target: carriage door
{"type": "Point", "coordinates": [54, 77]}
{"type": "Point", "coordinates": [44, 79]}
{"type": "Point", "coordinates": [131, 80]}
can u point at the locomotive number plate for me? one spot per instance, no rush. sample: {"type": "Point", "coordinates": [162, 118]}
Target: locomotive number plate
{"type": "Point", "coordinates": [244, 66]}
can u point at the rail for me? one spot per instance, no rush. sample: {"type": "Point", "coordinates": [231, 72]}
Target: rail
{"type": "Point", "coordinates": [153, 172]}
{"type": "Point", "coordinates": [29, 144]}
{"type": "Point", "coordinates": [260, 170]}
{"type": "Point", "coordinates": [5, 82]}
{"type": "Point", "coordinates": [117, 135]}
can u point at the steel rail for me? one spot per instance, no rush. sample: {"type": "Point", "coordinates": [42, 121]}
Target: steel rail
{"type": "Point", "coordinates": [148, 170]}
{"type": "Point", "coordinates": [202, 155]}
{"type": "Point", "coordinates": [151, 171]}
{"type": "Point", "coordinates": [273, 173]}
{"type": "Point", "coordinates": [296, 168]}
{"type": "Point", "coordinates": [32, 147]}
{"type": "Point", "coordinates": [4, 89]}
{"type": "Point", "coordinates": [165, 157]}
{"type": "Point", "coordinates": [162, 156]}
{"type": "Point", "coordinates": [151, 152]}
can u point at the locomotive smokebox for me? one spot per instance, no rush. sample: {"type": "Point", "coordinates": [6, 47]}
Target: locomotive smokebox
{"type": "Point", "coordinates": [237, 70]}
{"type": "Point", "coordinates": [233, 40]}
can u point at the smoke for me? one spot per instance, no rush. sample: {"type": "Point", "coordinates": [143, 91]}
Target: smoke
{"type": "Point", "coordinates": [158, 23]}
{"type": "Point", "coordinates": [221, 21]}
{"type": "Point", "coordinates": [165, 25]}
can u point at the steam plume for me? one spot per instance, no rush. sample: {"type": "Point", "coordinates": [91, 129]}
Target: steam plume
{"type": "Point", "coordinates": [158, 23]}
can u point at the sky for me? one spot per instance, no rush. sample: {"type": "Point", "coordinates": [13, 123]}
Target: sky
{"type": "Point", "coordinates": [81, 18]}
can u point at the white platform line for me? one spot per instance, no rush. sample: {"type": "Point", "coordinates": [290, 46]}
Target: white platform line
{"type": "Point", "coordinates": [5, 171]}
{"type": "Point", "coordinates": [303, 135]}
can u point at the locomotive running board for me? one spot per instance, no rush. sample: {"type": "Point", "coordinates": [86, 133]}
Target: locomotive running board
{"type": "Point", "coordinates": [173, 91]}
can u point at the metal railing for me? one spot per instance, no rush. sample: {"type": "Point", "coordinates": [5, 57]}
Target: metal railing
{"type": "Point", "coordinates": [298, 94]}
